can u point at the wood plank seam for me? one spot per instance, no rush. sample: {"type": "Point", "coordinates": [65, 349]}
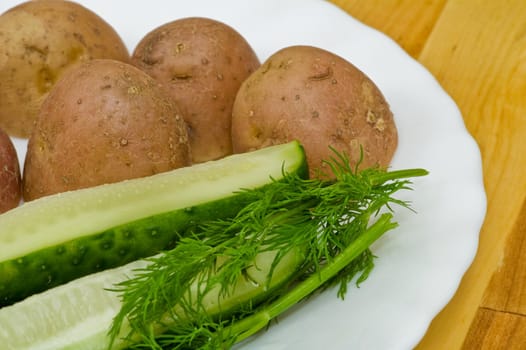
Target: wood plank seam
{"type": "Point", "coordinates": [433, 29]}
{"type": "Point", "coordinates": [513, 313]}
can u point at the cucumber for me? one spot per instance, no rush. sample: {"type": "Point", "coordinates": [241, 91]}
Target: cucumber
{"type": "Point", "coordinates": [58, 238]}
{"type": "Point", "coordinates": [78, 315]}
{"type": "Point", "coordinates": [74, 316]}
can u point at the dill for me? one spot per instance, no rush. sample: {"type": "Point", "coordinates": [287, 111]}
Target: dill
{"type": "Point", "coordinates": [231, 278]}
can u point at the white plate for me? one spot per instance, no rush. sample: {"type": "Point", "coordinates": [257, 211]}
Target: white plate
{"type": "Point", "coordinates": [421, 263]}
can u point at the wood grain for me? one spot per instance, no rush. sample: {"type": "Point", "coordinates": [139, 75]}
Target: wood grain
{"type": "Point", "coordinates": [408, 22]}
{"type": "Point", "coordinates": [500, 322]}
{"type": "Point", "coordinates": [507, 288]}
{"type": "Point", "coordinates": [493, 330]}
{"type": "Point", "coordinates": [477, 51]}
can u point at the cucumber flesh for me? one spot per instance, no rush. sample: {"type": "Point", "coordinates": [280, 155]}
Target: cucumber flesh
{"type": "Point", "coordinates": [76, 315]}
{"type": "Point", "coordinates": [55, 239]}
{"type": "Point", "coordinates": [79, 314]}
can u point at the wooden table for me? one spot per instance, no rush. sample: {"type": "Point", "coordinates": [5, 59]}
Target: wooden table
{"type": "Point", "coordinates": [477, 51]}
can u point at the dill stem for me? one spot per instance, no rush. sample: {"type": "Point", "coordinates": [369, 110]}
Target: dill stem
{"type": "Point", "coordinates": [397, 175]}
{"type": "Point", "coordinates": [252, 324]}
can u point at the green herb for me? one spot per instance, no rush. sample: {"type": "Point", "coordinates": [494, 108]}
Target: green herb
{"type": "Point", "coordinates": [186, 297]}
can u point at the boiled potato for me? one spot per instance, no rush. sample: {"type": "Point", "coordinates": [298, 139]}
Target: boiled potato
{"type": "Point", "coordinates": [10, 182]}
{"type": "Point", "coordinates": [202, 63]}
{"type": "Point", "coordinates": [103, 122]}
{"type": "Point", "coordinates": [322, 100]}
{"type": "Point", "coordinates": [39, 40]}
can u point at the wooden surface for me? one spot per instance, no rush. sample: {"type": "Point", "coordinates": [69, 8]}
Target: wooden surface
{"type": "Point", "coordinates": [477, 51]}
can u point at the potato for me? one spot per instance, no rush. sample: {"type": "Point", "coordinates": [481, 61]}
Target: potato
{"type": "Point", "coordinates": [320, 99]}
{"type": "Point", "coordinates": [103, 122]}
{"type": "Point", "coordinates": [10, 181]}
{"type": "Point", "coordinates": [39, 40]}
{"type": "Point", "coordinates": [202, 63]}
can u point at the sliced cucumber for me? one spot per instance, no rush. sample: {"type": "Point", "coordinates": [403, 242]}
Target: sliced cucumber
{"type": "Point", "coordinates": [79, 314]}
{"type": "Point", "coordinates": [55, 239]}
{"type": "Point", "coordinates": [76, 315]}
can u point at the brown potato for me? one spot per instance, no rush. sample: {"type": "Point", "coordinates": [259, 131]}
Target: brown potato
{"type": "Point", "coordinates": [202, 63]}
{"type": "Point", "coordinates": [39, 40]}
{"type": "Point", "coordinates": [103, 122]}
{"type": "Point", "coordinates": [320, 99]}
{"type": "Point", "coordinates": [10, 182]}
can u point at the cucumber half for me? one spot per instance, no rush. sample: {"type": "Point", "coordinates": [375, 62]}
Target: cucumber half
{"type": "Point", "coordinates": [78, 315]}
{"type": "Point", "coordinates": [58, 238]}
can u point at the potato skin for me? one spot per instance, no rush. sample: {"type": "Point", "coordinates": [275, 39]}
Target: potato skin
{"type": "Point", "coordinates": [202, 63]}
{"type": "Point", "coordinates": [103, 122]}
{"type": "Point", "coordinates": [39, 40]}
{"type": "Point", "coordinates": [314, 96]}
{"type": "Point", "coordinates": [10, 178]}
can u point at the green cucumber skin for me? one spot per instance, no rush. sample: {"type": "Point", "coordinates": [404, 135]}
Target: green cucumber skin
{"type": "Point", "coordinates": [50, 267]}
{"type": "Point", "coordinates": [56, 265]}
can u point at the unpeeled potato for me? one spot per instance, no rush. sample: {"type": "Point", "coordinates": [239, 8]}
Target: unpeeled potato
{"type": "Point", "coordinates": [103, 122]}
{"type": "Point", "coordinates": [39, 40]}
{"type": "Point", "coordinates": [10, 180]}
{"type": "Point", "coordinates": [314, 96]}
{"type": "Point", "coordinates": [201, 62]}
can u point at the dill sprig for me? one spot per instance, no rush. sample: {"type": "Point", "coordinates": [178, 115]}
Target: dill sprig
{"type": "Point", "coordinates": [301, 235]}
